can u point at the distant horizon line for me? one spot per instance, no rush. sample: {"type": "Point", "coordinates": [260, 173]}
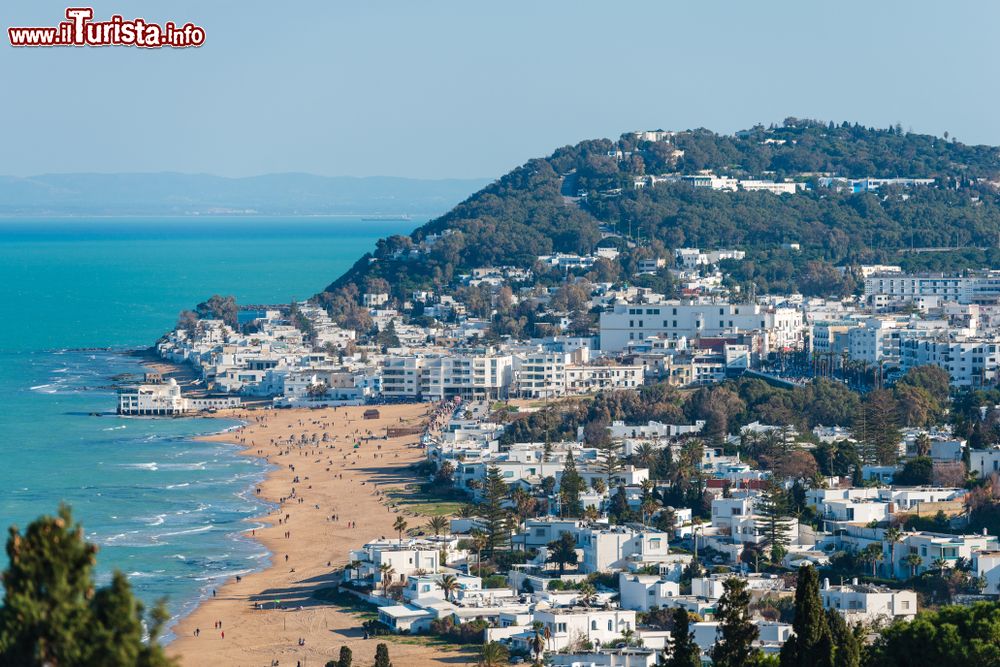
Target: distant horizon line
{"type": "Point", "coordinates": [237, 178]}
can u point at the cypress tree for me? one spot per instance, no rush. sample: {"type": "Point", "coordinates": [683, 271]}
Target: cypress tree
{"type": "Point", "coordinates": [344, 660]}
{"type": "Point", "coordinates": [570, 486]}
{"type": "Point", "coordinates": [382, 656]}
{"type": "Point", "coordinates": [847, 646]}
{"type": "Point", "coordinates": [683, 650]}
{"type": "Point", "coordinates": [811, 645]}
{"type": "Point", "coordinates": [737, 633]}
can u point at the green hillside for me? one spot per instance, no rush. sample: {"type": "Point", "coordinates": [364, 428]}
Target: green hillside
{"type": "Point", "coordinates": [563, 202]}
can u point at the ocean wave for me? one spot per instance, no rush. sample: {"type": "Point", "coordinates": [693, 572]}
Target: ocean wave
{"type": "Point", "coordinates": [152, 465]}
{"type": "Point", "coordinates": [157, 520]}
{"type": "Point", "coordinates": [177, 486]}
{"type": "Point", "coordinates": [184, 466]}
{"type": "Point", "coordinates": [226, 574]}
{"type": "Point", "coordinates": [114, 428]}
{"type": "Point", "coordinates": [190, 531]}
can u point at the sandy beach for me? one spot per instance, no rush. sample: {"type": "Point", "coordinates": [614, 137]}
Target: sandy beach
{"type": "Point", "coordinates": [308, 546]}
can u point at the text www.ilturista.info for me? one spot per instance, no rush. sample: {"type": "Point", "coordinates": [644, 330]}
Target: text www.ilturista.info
{"type": "Point", "coordinates": [80, 30]}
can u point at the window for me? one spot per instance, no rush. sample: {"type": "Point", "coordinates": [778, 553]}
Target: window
{"type": "Point", "coordinates": [611, 626]}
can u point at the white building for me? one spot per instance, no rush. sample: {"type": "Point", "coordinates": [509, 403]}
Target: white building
{"type": "Point", "coordinates": [571, 625]}
{"type": "Point", "coordinates": [628, 323]}
{"type": "Point", "coordinates": [165, 400]}
{"type": "Point", "coordinates": [867, 604]}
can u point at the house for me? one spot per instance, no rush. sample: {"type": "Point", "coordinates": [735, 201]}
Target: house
{"type": "Point", "coordinates": [569, 626]}
{"type": "Point", "coordinates": [402, 558]}
{"type": "Point", "coordinates": [866, 604]}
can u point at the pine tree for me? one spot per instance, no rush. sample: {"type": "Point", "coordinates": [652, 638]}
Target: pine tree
{"type": "Point", "coordinates": [772, 508]}
{"type": "Point", "coordinates": [847, 646]}
{"type": "Point", "coordinates": [877, 423]}
{"type": "Point", "coordinates": [51, 614]}
{"type": "Point", "coordinates": [570, 486]}
{"type": "Point", "coordinates": [684, 652]}
{"type": "Point", "coordinates": [382, 656]}
{"type": "Point", "coordinates": [734, 647]}
{"type": "Point", "coordinates": [496, 516]}
{"type": "Point", "coordinates": [811, 645]}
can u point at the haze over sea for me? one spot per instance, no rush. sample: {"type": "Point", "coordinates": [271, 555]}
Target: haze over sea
{"type": "Point", "coordinates": [162, 508]}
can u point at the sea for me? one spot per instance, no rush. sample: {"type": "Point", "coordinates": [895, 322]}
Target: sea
{"type": "Point", "coordinates": [76, 296]}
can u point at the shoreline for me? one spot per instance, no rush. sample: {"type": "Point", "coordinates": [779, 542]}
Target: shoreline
{"type": "Point", "coordinates": [306, 546]}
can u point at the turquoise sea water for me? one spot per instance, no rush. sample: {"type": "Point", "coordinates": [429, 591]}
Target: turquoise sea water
{"type": "Point", "coordinates": [164, 509]}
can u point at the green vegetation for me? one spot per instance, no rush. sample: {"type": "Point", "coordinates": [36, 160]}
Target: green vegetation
{"type": "Point", "coordinates": [51, 613]}
{"type": "Point", "coordinates": [427, 499]}
{"type": "Point", "coordinates": [959, 635]}
{"type": "Point", "coordinates": [534, 210]}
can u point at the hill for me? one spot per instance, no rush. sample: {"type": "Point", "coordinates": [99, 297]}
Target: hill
{"type": "Point", "coordinates": [569, 200]}
{"type": "Point", "coordinates": [181, 194]}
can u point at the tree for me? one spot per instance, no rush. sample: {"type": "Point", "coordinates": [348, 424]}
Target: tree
{"type": "Point", "coordinates": [913, 561]}
{"type": "Point", "coordinates": [872, 554]}
{"type": "Point", "coordinates": [892, 537]}
{"type": "Point", "coordinates": [345, 659]}
{"type": "Point", "coordinates": [449, 584]}
{"type": "Point", "coordinates": [219, 308]}
{"type": "Point", "coordinates": [537, 641]}
{"type": "Point", "coordinates": [878, 428]}
{"type": "Point", "coordinates": [437, 525]}
{"type": "Point", "coordinates": [953, 635]}
{"type": "Point", "coordinates": [563, 551]}
{"type": "Point", "coordinates": [382, 656]}
{"type": "Point", "coordinates": [847, 645]}
{"type": "Point", "coordinates": [386, 573]}
{"type": "Point", "coordinates": [772, 507]}
{"type": "Point", "coordinates": [492, 510]}
{"type": "Point", "coordinates": [51, 614]}
{"type": "Point", "coordinates": [810, 645]}
{"type": "Point", "coordinates": [480, 540]}
{"type": "Point", "coordinates": [736, 631]}
{"type": "Point", "coordinates": [493, 654]}
{"type": "Point", "coordinates": [916, 472]}
{"type": "Point", "coordinates": [570, 486]}
{"type": "Point", "coordinates": [399, 525]}
{"type": "Point", "coordinates": [684, 652]}
{"type": "Point", "coordinates": [586, 594]}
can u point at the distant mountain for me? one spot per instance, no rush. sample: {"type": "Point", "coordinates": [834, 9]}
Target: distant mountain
{"type": "Point", "coordinates": [632, 193]}
{"type": "Point", "coordinates": [182, 194]}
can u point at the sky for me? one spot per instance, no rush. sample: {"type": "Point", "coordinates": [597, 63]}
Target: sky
{"type": "Point", "coordinates": [468, 88]}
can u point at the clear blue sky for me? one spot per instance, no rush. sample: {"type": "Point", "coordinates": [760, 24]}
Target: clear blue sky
{"type": "Point", "coordinates": [470, 88]}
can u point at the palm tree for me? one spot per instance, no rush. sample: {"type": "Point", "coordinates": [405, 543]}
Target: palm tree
{"type": "Point", "coordinates": [872, 554]}
{"type": "Point", "coordinates": [386, 573]}
{"type": "Point", "coordinates": [591, 513]}
{"type": "Point", "coordinates": [648, 507]}
{"type": "Point", "coordinates": [399, 525]}
{"type": "Point", "coordinates": [587, 594]}
{"type": "Point", "coordinates": [892, 536]}
{"type": "Point", "coordinates": [923, 443]}
{"type": "Point", "coordinates": [479, 542]}
{"type": "Point", "coordinates": [643, 454]}
{"type": "Point", "coordinates": [537, 642]}
{"type": "Point", "coordinates": [437, 525]}
{"type": "Point", "coordinates": [448, 584]}
{"type": "Point", "coordinates": [914, 561]}
{"type": "Point", "coordinates": [493, 654]}
{"type": "Point", "coordinates": [940, 564]}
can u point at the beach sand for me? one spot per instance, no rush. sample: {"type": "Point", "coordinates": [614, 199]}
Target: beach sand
{"type": "Point", "coordinates": [339, 481]}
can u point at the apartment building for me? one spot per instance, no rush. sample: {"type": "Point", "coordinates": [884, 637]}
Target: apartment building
{"type": "Point", "coordinates": [628, 323]}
